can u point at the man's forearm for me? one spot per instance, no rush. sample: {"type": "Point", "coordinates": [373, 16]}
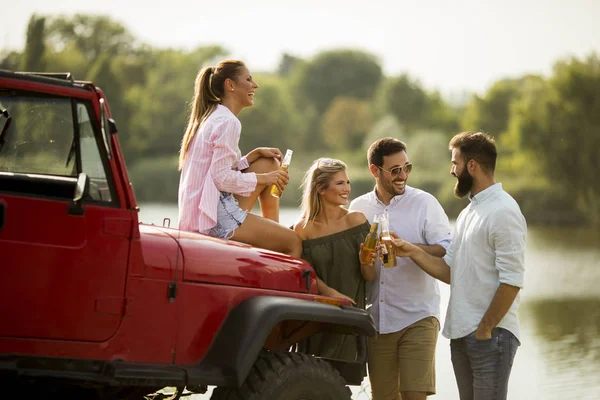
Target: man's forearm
{"type": "Point", "coordinates": [503, 299]}
{"type": "Point", "coordinates": [435, 250]}
{"type": "Point", "coordinates": [434, 266]}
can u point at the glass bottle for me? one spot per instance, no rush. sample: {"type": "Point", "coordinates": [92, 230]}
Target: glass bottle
{"type": "Point", "coordinates": [275, 192]}
{"type": "Point", "coordinates": [387, 249]}
{"type": "Point", "coordinates": [370, 243]}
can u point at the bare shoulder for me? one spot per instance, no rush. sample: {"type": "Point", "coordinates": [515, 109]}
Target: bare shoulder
{"type": "Point", "coordinates": [299, 227]}
{"type": "Point", "coordinates": [355, 218]}
{"type": "Point", "coordinates": [302, 229]}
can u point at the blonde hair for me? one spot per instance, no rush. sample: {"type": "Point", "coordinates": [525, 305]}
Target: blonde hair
{"type": "Point", "coordinates": [317, 178]}
{"type": "Point", "coordinates": [209, 90]}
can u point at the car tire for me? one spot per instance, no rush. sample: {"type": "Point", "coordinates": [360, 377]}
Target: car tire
{"type": "Point", "coordinates": [288, 376]}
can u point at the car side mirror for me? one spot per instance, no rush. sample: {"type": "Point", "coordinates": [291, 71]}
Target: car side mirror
{"type": "Point", "coordinates": [82, 188]}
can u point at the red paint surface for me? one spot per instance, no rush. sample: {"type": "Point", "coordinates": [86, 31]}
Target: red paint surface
{"type": "Point", "coordinates": [95, 286]}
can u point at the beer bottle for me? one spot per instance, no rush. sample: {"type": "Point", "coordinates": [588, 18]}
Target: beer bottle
{"type": "Point", "coordinates": [275, 192]}
{"type": "Point", "coordinates": [370, 244]}
{"type": "Point", "coordinates": [387, 248]}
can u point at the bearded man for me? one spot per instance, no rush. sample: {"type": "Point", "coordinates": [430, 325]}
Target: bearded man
{"type": "Point", "coordinates": [484, 266]}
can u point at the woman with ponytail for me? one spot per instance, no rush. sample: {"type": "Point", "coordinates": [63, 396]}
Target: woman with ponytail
{"type": "Point", "coordinates": [218, 187]}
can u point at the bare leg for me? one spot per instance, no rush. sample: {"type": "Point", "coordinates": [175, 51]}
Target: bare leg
{"type": "Point", "coordinates": [269, 205]}
{"type": "Point", "coordinates": [414, 395]}
{"type": "Point", "coordinates": [273, 236]}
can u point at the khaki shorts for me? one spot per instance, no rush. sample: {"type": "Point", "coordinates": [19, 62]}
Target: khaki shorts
{"type": "Point", "coordinates": [404, 361]}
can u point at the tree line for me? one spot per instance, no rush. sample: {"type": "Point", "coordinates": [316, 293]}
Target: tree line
{"type": "Point", "coordinates": [335, 104]}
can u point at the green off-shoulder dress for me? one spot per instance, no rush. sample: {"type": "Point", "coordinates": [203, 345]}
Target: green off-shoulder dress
{"type": "Point", "coordinates": [335, 260]}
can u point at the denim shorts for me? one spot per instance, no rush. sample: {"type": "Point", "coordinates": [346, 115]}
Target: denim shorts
{"type": "Point", "coordinates": [229, 217]}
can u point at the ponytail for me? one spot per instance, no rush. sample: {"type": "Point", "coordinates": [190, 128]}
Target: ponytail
{"type": "Point", "coordinates": [203, 104]}
{"type": "Point", "coordinates": [208, 92]}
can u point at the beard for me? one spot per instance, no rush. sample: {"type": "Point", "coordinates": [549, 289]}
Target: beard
{"type": "Point", "coordinates": [464, 183]}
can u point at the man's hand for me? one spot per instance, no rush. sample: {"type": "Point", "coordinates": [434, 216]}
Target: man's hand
{"type": "Point", "coordinates": [434, 266]}
{"type": "Point", "coordinates": [503, 299]}
{"type": "Point", "coordinates": [483, 333]}
{"type": "Point", "coordinates": [402, 248]}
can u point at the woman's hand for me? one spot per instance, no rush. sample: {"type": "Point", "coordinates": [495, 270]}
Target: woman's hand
{"type": "Point", "coordinates": [326, 290]}
{"type": "Point", "coordinates": [367, 270]}
{"type": "Point", "coordinates": [367, 255]}
{"type": "Point", "coordinates": [279, 178]}
{"type": "Point", "coordinates": [267, 152]}
{"type": "Point", "coordinates": [335, 294]}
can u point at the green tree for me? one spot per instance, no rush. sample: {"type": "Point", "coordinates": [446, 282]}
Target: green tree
{"type": "Point", "coordinates": [442, 116]}
{"type": "Point", "coordinates": [558, 123]}
{"type": "Point", "coordinates": [491, 112]}
{"type": "Point", "coordinates": [103, 75]}
{"type": "Point", "coordinates": [33, 55]}
{"type": "Point", "coordinates": [414, 107]}
{"type": "Point", "coordinates": [10, 60]}
{"type": "Point", "coordinates": [93, 35]}
{"type": "Point", "coordinates": [387, 126]}
{"type": "Point", "coordinates": [159, 108]}
{"type": "Point", "coordinates": [346, 123]}
{"type": "Point", "coordinates": [272, 121]}
{"type": "Point", "coordinates": [69, 59]}
{"type": "Point", "coordinates": [337, 73]}
{"type": "Point", "coordinates": [288, 65]}
{"type": "Point", "coordinates": [406, 99]}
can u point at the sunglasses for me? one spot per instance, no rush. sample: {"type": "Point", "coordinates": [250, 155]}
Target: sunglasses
{"type": "Point", "coordinates": [397, 170]}
{"type": "Point", "coordinates": [325, 161]}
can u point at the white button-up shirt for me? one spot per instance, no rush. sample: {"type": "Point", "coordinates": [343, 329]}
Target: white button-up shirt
{"type": "Point", "coordinates": [402, 295]}
{"type": "Point", "coordinates": [488, 248]}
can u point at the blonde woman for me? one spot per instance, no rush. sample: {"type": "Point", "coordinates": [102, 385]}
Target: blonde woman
{"type": "Point", "coordinates": [218, 186]}
{"type": "Point", "coordinates": [332, 240]}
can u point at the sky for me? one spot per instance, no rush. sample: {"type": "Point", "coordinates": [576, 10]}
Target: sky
{"type": "Point", "coordinates": [452, 46]}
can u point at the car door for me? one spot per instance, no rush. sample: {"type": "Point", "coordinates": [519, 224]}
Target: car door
{"type": "Point", "coordinates": [63, 265]}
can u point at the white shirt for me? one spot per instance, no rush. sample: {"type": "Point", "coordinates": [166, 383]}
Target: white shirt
{"type": "Point", "coordinates": [402, 295]}
{"type": "Point", "coordinates": [212, 165]}
{"type": "Point", "coordinates": [488, 248]}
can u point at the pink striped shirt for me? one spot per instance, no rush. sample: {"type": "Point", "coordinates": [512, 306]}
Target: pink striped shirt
{"type": "Point", "coordinates": [212, 165]}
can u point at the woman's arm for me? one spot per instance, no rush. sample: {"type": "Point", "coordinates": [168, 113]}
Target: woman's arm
{"type": "Point", "coordinates": [328, 291]}
{"type": "Point", "coordinates": [323, 288]}
{"type": "Point", "coordinates": [268, 152]}
{"type": "Point", "coordinates": [367, 270]}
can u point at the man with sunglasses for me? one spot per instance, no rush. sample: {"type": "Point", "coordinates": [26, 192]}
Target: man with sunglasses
{"type": "Point", "coordinates": [404, 300]}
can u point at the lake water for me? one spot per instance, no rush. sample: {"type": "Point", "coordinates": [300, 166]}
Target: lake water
{"type": "Point", "coordinates": [559, 357]}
